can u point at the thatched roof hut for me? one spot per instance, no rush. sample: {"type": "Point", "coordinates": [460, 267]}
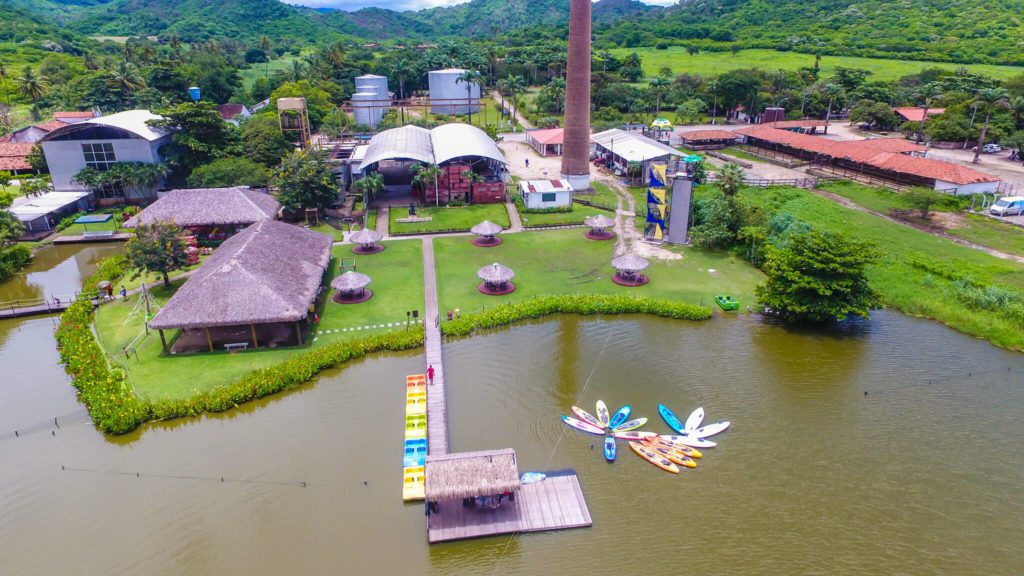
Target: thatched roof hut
{"type": "Point", "coordinates": [599, 221]}
{"type": "Point", "coordinates": [350, 281]}
{"type": "Point", "coordinates": [471, 474]}
{"type": "Point", "coordinates": [630, 263]}
{"type": "Point", "coordinates": [270, 272]}
{"type": "Point", "coordinates": [495, 274]}
{"type": "Point", "coordinates": [238, 206]}
{"type": "Point", "coordinates": [366, 236]}
{"type": "Point", "coordinates": [486, 228]}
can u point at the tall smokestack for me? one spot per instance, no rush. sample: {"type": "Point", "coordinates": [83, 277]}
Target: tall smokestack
{"type": "Point", "coordinates": [576, 142]}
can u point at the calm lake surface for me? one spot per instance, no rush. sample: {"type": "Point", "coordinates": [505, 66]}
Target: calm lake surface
{"type": "Point", "coordinates": [924, 475]}
{"type": "Point", "coordinates": [57, 270]}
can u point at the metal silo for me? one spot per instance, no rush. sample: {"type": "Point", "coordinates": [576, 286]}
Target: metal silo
{"type": "Point", "coordinates": [373, 83]}
{"type": "Point", "coordinates": [450, 94]}
{"type": "Point", "coordinates": [366, 109]}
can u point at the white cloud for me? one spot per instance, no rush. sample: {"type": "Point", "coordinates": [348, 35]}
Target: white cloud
{"type": "Point", "coordinates": [407, 4]}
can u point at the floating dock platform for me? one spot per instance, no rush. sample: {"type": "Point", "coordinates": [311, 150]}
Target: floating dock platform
{"type": "Point", "coordinates": [415, 447]}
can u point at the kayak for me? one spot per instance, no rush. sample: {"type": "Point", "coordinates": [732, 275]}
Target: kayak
{"type": "Point", "coordinates": [581, 425]}
{"type": "Point", "coordinates": [671, 419]}
{"type": "Point", "coordinates": [609, 448]}
{"type": "Point", "coordinates": [684, 449]}
{"type": "Point", "coordinates": [711, 429]}
{"type": "Point", "coordinates": [586, 416]}
{"type": "Point", "coordinates": [673, 455]}
{"type": "Point", "coordinates": [619, 417]}
{"type": "Point", "coordinates": [694, 420]}
{"type": "Point", "coordinates": [654, 458]}
{"type": "Point", "coordinates": [687, 440]}
{"type": "Point", "coordinates": [634, 435]}
{"type": "Point", "coordinates": [602, 413]}
{"type": "Point", "coordinates": [631, 425]}
{"type": "Point", "coordinates": [531, 477]}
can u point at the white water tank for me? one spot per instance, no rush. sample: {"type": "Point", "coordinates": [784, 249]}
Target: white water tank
{"type": "Point", "coordinates": [367, 109]}
{"type": "Point", "coordinates": [449, 96]}
{"type": "Point", "coordinates": [373, 83]}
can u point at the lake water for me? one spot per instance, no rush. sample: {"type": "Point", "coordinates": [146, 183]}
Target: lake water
{"type": "Point", "coordinates": [57, 270]}
{"type": "Point", "coordinates": [923, 475]}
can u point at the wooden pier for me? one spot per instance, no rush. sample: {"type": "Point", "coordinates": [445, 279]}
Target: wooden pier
{"type": "Point", "coordinates": [554, 503]}
{"type": "Point", "coordinates": [437, 400]}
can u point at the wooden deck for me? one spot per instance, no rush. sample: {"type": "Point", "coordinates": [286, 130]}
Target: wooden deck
{"type": "Point", "coordinates": [437, 400]}
{"type": "Point", "coordinates": [83, 239]}
{"type": "Point", "coordinates": [555, 503]}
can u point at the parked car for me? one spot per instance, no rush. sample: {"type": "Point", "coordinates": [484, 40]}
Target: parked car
{"type": "Point", "coordinates": [1008, 206]}
{"type": "Point", "coordinates": [989, 148]}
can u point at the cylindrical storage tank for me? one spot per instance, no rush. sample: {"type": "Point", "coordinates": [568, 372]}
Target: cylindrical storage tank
{"type": "Point", "coordinates": [365, 108]}
{"type": "Point", "coordinates": [373, 83]}
{"type": "Point", "coordinates": [449, 96]}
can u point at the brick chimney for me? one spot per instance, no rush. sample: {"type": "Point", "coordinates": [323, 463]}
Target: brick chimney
{"type": "Point", "coordinates": [576, 147]}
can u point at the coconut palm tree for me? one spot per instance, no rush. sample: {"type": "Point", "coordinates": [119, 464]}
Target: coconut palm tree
{"type": "Point", "coordinates": [3, 80]}
{"type": "Point", "coordinates": [399, 69]}
{"type": "Point", "coordinates": [659, 87]}
{"type": "Point", "coordinates": [926, 95]}
{"type": "Point", "coordinates": [832, 92]}
{"type": "Point", "coordinates": [730, 178]}
{"type": "Point", "coordinates": [1017, 110]}
{"type": "Point", "coordinates": [369, 186]}
{"type": "Point", "coordinates": [126, 76]}
{"type": "Point", "coordinates": [423, 174]}
{"type": "Point", "coordinates": [31, 86]}
{"type": "Point", "coordinates": [516, 86]}
{"type": "Point", "coordinates": [988, 100]}
{"type": "Point", "coordinates": [470, 78]}
{"type": "Point", "coordinates": [474, 179]}
{"type": "Point", "coordinates": [556, 91]}
{"type": "Point", "coordinates": [264, 44]}
{"type": "Point", "coordinates": [175, 44]}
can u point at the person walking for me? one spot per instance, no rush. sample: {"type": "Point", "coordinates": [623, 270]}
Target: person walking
{"type": "Point", "coordinates": [430, 374]}
{"type": "Point", "coordinates": [124, 293]}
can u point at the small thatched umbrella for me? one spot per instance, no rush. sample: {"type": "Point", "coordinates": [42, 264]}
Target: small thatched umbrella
{"type": "Point", "coordinates": [599, 225]}
{"type": "Point", "coordinates": [487, 234]}
{"type": "Point", "coordinates": [366, 240]}
{"type": "Point", "coordinates": [628, 268]}
{"type": "Point", "coordinates": [497, 279]}
{"type": "Point", "coordinates": [351, 287]}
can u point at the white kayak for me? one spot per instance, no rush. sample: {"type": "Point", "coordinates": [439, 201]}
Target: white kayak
{"type": "Point", "coordinates": [711, 429]}
{"type": "Point", "coordinates": [581, 425]}
{"type": "Point", "coordinates": [602, 413]}
{"type": "Point", "coordinates": [689, 441]}
{"type": "Point", "coordinates": [586, 416]}
{"type": "Point", "coordinates": [631, 425]}
{"type": "Point", "coordinates": [694, 420]}
{"type": "Point", "coordinates": [634, 435]}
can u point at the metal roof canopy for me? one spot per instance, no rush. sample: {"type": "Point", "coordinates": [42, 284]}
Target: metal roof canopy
{"type": "Point", "coordinates": [442, 144]}
{"type": "Point", "coordinates": [633, 147]}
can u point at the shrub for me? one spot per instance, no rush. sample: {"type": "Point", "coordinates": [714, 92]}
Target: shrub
{"type": "Point", "coordinates": [585, 304]}
{"type": "Point", "coordinates": [66, 223]}
{"type": "Point", "coordinates": [13, 259]}
{"type": "Point", "coordinates": [521, 207]}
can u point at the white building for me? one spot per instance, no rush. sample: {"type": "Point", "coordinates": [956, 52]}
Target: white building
{"type": "Point", "coordinates": [100, 142]}
{"type": "Point", "coordinates": [539, 194]}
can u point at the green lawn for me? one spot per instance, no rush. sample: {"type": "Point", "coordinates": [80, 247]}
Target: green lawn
{"type": "Point", "coordinates": [490, 113]}
{"type": "Point", "coordinates": [13, 189]}
{"type": "Point", "coordinates": [564, 262]}
{"type": "Point", "coordinates": [445, 219]}
{"type": "Point", "coordinates": [397, 275]}
{"type": "Point", "coordinates": [741, 154]}
{"type": "Point", "coordinates": [577, 216]}
{"type": "Point", "coordinates": [250, 74]}
{"type": "Point", "coordinates": [602, 195]}
{"type": "Point", "coordinates": [901, 276]}
{"type": "Point", "coordinates": [710, 63]}
{"type": "Point", "coordinates": [992, 233]}
{"type": "Point", "coordinates": [371, 220]}
{"type": "Point", "coordinates": [114, 224]}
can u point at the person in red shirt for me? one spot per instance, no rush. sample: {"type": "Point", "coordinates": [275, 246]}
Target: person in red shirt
{"type": "Point", "coordinates": [430, 373]}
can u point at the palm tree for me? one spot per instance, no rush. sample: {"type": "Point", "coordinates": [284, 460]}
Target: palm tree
{"type": "Point", "coordinates": [926, 95]}
{"type": "Point", "coordinates": [832, 92]}
{"type": "Point", "coordinates": [31, 86]}
{"type": "Point", "coordinates": [474, 179]}
{"type": "Point", "coordinates": [399, 69]}
{"type": "Point", "coordinates": [175, 44]}
{"type": "Point", "coordinates": [989, 100]}
{"type": "Point", "coordinates": [730, 178]}
{"type": "Point", "coordinates": [7, 87]}
{"type": "Point", "coordinates": [423, 174]}
{"type": "Point", "coordinates": [264, 43]}
{"type": "Point", "coordinates": [369, 186]}
{"type": "Point", "coordinates": [659, 87]}
{"type": "Point", "coordinates": [1017, 110]}
{"type": "Point", "coordinates": [471, 78]}
{"type": "Point", "coordinates": [516, 86]}
{"type": "Point", "coordinates": [126, 77]}
{"type": "Point", "coordinates": [556, 90]}
{"type": "Point", "coordinates": [712, 86]}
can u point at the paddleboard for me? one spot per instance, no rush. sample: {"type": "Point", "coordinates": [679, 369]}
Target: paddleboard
{"type": "Point", "coordinates": [602, 413]}
{"type": "Point", "coordinates": [694, 420]}
{"type": "Point", "coordinates": [609, 448]}
{"type": "Point", "coordinates": [634, 435]}
{"type": "Point", "coordinates": [672, 455]}
{"type": "Point", "coordinates": [684, 449]}
{"type": "Point", "coordinates": [654, 458]}
{"type": "Point", "coordinates": [689, 441]}
{"type": "Point", "coordinates": [619, 417]}
{"type": "Point", "coordinates": [581, 425]}
{"type": "Point", "coordinates": [586, 416]}
{"type": "Point", "coordinates": [631, 425]}
{"type": "Point", "coordinates": [711, 429]}
{"type": "Point", "coordinates": [671, 419]}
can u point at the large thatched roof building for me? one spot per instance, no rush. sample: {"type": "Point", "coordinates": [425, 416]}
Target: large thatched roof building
{"type": "Point", "coordinates": [265, 277]}
{"type": "Point", "coordinates": [471, 474]}
{"type": "Point", "coordinates": [236, 207]}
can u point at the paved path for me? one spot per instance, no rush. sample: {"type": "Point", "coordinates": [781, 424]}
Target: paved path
{"type": "Point", "coordinates": [508, 107]}
{"type": "Point", "coordinates": [383, 220]}
{"type": "Point", "coordinates": [513, 217]}
{"type": "Point", "coordinates": [437, 401]}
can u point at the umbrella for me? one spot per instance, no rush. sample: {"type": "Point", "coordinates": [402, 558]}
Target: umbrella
{"type": "Point", "coordinates": [350, 282]}
{"type": "Point", "coordinates": [661, 124]}
{"type": "Point", "coordinates": [366, 236]}
{"type": "Point", "coordinates": [486, 228]}
{"type": "Point", "coordinates": [599, 221]}
{"type": "Point", "coordinates": [630, 263]}
{"type": "Point", "coordinates": [495, 274]}
{"type": "Point", "coordinates": [693, 158]}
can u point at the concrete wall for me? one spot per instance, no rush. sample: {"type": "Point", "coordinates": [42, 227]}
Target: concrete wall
{"type": "Point", "coordinates": [968, 189]}
{"type": "Point", "coordinates": [65, 158]}
{"type": "Point", "coordinates": [533, 200]}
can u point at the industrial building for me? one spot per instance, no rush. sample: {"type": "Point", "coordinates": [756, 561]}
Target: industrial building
{"type": "Point", "coordinates": [370, 100]}
{"type": "Point", "coordinates": [455, 148]}
{"type": "Point", "coordinates": [617, 149]}
{"type": "Point", "coordinates": [541, 194]}
{"type": "Point", "coordinates": [546, 141]}
{"type": "Point", "coordinates": [449, 95]}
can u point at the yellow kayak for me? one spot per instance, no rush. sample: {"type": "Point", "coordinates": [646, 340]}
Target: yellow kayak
{"type": "Point", "coordinates": [654, 458]}
{"type": "Point", "coordinates": [686, 450]}
{"type": "Point", "coordinates": [673, 455]}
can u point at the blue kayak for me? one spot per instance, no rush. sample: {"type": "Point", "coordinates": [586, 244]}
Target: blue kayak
{"type": "Point", "coordinates": [620, 416]}
{"type": "Point", "coordinates": [609, 449]}
{"type": "Point", "coordinates": [671, 419]}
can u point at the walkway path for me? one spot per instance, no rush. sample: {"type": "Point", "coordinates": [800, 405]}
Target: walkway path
{"type": "Point", "coordinates": [516, 224]}
{"type": "Point", "coordinates": [437, 400]}
{"type": "Point", "coordinates": [508, 108]}
{"type": "Point", "coordinates": [383, 220]}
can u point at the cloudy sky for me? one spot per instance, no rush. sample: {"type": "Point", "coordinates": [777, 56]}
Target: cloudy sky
{"type": "Point", "coordinates": [402, 4]}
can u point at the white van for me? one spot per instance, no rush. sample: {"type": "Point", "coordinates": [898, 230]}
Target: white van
{"type": "Point", "coordinates": [1008, 206]}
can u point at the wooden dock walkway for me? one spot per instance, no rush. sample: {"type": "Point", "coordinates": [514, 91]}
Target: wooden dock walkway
{"type": "Point", "coordinates": [40, 309]}
{"type": "Point", "coordinates": [437, 400]}
{"type": "Point", "coordinates": [555, 503]}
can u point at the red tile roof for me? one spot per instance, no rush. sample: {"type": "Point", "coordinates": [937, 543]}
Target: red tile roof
{"type": "Point", "coordinates": [548, 135]}
{"type": "Point", "coordinates": [51, 125]}
{"type": "Point", "coordinates": [912, 114]}
{"type": "Point", "coordinates": [700, 135]}
{"type": "Point", "coordinates": [229, 111]}
{"type": "Point", "coordinates": [809, 123]}
{"type": "Point", "coordinates": [928, 168]}
{"type": "Point", "coordinates": [73, 115]}
{"type": "Point", "coordinates": [14, 155]}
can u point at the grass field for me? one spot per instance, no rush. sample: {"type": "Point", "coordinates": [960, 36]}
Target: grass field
{"type": "Point", "coordinates": [711, 63]}
{"type": "Point", "coordinates": [445, 219]}
{"type": "Point", "coordinates": [490, 113]}
{"type": "Point", "coordinates": [577, 216]}
{"type": "Point", "coordinates": [564, 262]}
{"type": "Point", "coordinates": [13, 189]}
{"type": "Point", "coordinates": [255, 71]}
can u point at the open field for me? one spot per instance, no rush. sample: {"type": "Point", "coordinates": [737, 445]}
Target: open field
{"type": "Point", "coordinates": [564, 262]}
{"type": "Point", "coordinates": [490, 113]}
{"type": "Point", "coordinates": [577, 216]}
{"type": "Point", "coordinates": [255, 71]}
{"type": "Point", "coordinates": [445, 219]}
{"type": "Point", "coordinates": [710, 63]}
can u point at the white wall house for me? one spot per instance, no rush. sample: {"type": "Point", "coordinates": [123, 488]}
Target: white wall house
{"type": "Point", "coordinates": [538, 194]}
{"type": "Point", "coordinates": [989, 187]}
{"type": "Point", "coordinates": [100, 142]}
